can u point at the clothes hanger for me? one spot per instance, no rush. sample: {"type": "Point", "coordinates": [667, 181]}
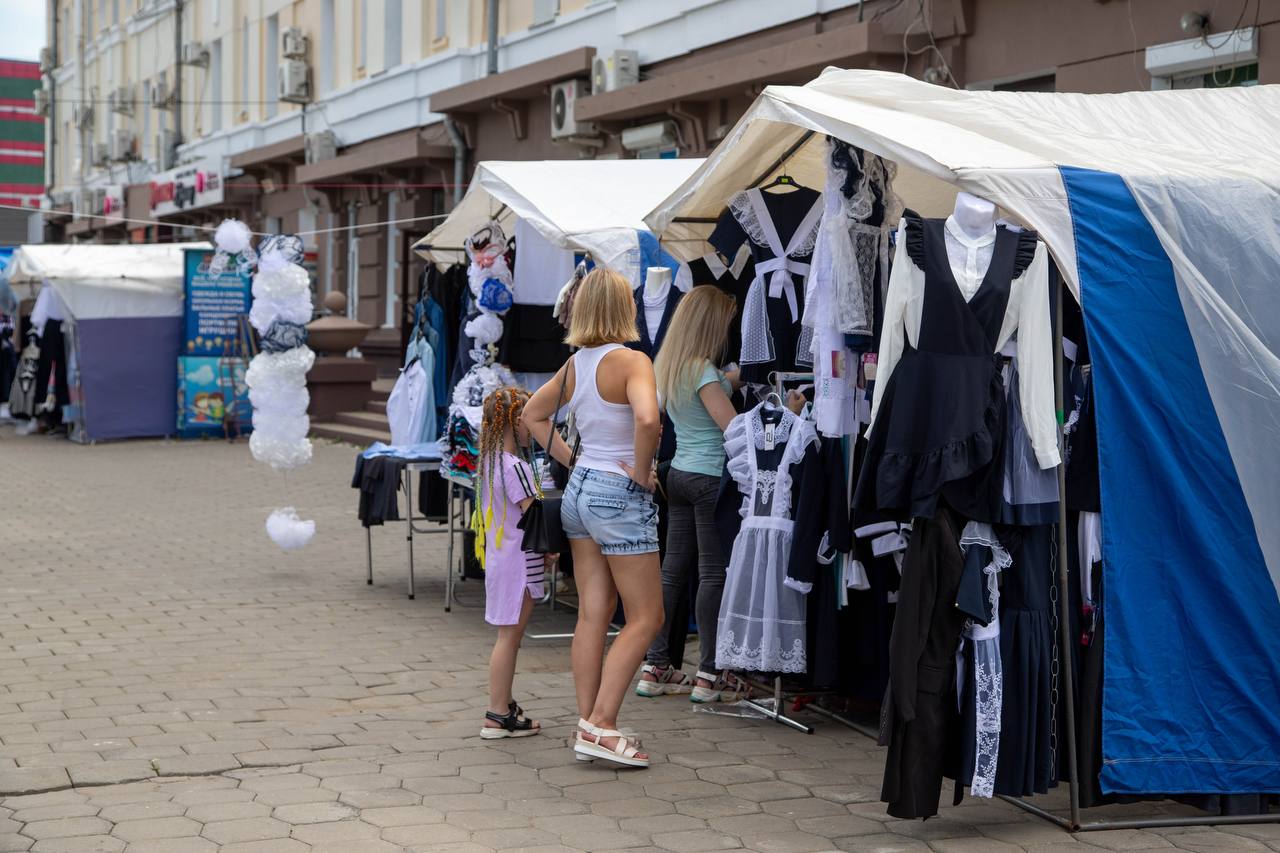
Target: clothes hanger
{"type": "Point", "coordinates": [783, 182]}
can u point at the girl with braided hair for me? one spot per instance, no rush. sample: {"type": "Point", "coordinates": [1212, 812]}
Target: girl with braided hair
{"type": "Point", "coordinates": [505, 488]}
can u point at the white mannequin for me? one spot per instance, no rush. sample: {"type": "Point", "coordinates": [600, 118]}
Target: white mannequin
{"type": "Point", "coordinates": [974, 216]}
{"type": "Point", "coordinates": [657, 286]}
{"type": "Point", "coordinates": [657, 281]}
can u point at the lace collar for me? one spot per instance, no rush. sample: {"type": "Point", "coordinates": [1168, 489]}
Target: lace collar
{"type": "Point", "coordinates": [781, 432]}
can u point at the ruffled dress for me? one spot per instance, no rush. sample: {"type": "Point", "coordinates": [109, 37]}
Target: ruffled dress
{"type": "Point", "coordinates": [941, 423]}
{"type": "Point", "coordinates": [762, 624]}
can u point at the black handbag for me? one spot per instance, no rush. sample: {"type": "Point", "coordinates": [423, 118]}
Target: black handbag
{"type": "Point", "coordinates": [543, 532]}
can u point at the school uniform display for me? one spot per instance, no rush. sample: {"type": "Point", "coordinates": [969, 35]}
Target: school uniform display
{"type": "Point", "coordinates": [938, 418]}
{"type": "Point", "coordinates": [762, 625]}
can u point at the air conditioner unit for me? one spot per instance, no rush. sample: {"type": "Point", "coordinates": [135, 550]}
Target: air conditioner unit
{"type": "Point", "coordinates": [295, 81]}
{"type": "Point", "coordinates": [83, 117]}
{"type": "Point", "coordinates": [650, 137]}
{"type": "Point", "coordinates": [160, 96]}
{"type": "Point", "coordinates": [41, 100]}
{"type": "Point", "coordinates": [195, 53]}
{"type": "Point", "coordinates": [564, 98]}
{"type": "Point", "coordinates": [165, 146]}
{"type": "Point", "coordinates": [617, 69]}
{"type": "Point", "coordinates": [293, 44]}
{"type": "Point", "coordinates": [46, 60]}
{"type": "Point", "coordinates": [321, 145]}
{"type": "Point", "coordinates": [99, 201]}
{"type": "Point", "coordinates": [101, 154]}
{"type": "Point", "coordinates": [121, 100]}
{"type": "Point", "coordinates": [61, 199]}
{"type": "Point", "coordinates": [122, 144]}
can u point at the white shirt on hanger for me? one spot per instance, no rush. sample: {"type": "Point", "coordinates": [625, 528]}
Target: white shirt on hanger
{"type": "Point", "coordinates": [1027, 314]}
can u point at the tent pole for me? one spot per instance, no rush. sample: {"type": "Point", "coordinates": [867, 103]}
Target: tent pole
{"type": "Point", "coordinates": [786, 155]}
{"type": "Point", "coordinates": [1064, 598]}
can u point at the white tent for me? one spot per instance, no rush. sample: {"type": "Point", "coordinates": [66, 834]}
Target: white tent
{"type": "Point", "coordinates": [97, 281]}
{"type": "Point", "coordinates": [123, 328]}
{"type": "Point", "coordinates": [594, 206]}
{"type": "Point", "coordinates": [1162, 210]}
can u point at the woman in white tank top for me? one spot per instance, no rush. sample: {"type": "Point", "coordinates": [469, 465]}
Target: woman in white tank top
{"type": "Point", "coordinates": [608, 512]}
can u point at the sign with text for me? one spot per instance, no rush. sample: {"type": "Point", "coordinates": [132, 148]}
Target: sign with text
{"type": "Point", "coordinates": [213, 306]}
{"type": "Point", "coordinates": [194, 185]}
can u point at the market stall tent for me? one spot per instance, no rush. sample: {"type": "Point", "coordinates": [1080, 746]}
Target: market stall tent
{"type": "Point", "coordinates": [594, 206]}
{"type": "Point", "coordinates": [124, 308]}
{"type": "Point", "coordinates": [1162, 211]}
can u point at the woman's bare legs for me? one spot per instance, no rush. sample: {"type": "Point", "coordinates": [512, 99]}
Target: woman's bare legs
{"type": "Point", "coordinates": [597, 601]}
{"type": "Point", "coordinates": [637, 578]}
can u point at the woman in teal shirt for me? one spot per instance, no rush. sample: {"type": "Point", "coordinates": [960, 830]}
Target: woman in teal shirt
{"type": "Point", "coordinates": [695, 394]}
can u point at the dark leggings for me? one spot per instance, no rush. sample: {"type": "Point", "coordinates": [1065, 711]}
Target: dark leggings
{"type": "Point", "coordinates": [692, 541]}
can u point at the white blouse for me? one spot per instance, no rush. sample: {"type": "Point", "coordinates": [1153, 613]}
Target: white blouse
{"type": "Point", "coordinates": [1027, 315]}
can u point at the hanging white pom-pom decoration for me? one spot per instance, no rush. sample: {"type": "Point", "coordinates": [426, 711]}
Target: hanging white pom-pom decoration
{"type": "Point", "coordinates": [232, 236]}
{"type": "Point", "coordinates": [484, 329]}
{"type": "Point", "coordinates": [288, 531]}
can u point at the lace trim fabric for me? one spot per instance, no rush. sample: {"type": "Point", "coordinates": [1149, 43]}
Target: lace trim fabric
{"type": "Point", "coordinates": [744, 211]}
{"type": "Point", "coordinates": [765, 482]}
{"type": "Point", "coordinates": [988, 669]}
{"type": "Point", "coordinates": [737, 444]}
{"type": "Point", "coordinates": [781, 432]}
{"type": "Point", "coordinates": [757, 340]}
{"type": "Point", "coordinates": [769, 656]}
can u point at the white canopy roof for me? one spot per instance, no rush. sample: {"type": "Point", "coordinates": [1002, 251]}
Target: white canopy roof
{"type": "Point", "coordinates": [585, 205]}
{"type": "Point", "coordinates": [1003, 146]}
{"type": "Point", "coordinates": [97, 281]}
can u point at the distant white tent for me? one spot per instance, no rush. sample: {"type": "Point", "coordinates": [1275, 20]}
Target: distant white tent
{"type": "Point", "coordinates": [1162, 210]}
{"type": "Point", "coordinates": [123, 329]}
{"type": "Point", "coordinates": [594, 206]}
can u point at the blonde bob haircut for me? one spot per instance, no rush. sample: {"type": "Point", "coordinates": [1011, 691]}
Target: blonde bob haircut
{"type": "Point", "coordinates": [604, 311]}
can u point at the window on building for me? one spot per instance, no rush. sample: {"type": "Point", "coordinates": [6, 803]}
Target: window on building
{"type": "Point", "coordinates": [362, 37]}
{"type": "Point", "coordinates": [243, 106]}
{"type": "Point", "coordinates": [545, 11]}
{"type": "Point", "coordinates": [442, 19]}
{"type": "Point", "coordinates": [273, 65]}
{"type": "Point", "coordinates": [327, 34]}
{"type": "Point", "coordinates": [1042, 83]}
{"type": "Point", "coordinates": [115, 11]}
{"type": "Point", "coordinates": [393, 23]}
{"type": "Point", "coordinates": [1220, 78]}
{"type": "Point", "coordinates": [215, 94]}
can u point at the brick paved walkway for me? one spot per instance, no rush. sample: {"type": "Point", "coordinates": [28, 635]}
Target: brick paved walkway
{"type": "Point", "coordinates": [172, 683]}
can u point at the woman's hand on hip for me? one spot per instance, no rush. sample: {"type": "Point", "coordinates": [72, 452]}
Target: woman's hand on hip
{"type": "Point", "coordinates": [647, 480]}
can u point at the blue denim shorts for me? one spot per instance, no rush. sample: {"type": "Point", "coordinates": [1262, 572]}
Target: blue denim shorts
{"type": "Point", "coordinates": [611, 509]}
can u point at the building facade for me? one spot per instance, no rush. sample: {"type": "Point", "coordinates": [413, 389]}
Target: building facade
{"type": "Point", "coordinates": [21, 149]}
{"type": "Point", "coordinates": [350, 120]}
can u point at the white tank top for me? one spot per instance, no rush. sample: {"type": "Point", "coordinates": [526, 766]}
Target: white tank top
{"type": "Point", "coordinates": [607, 430]}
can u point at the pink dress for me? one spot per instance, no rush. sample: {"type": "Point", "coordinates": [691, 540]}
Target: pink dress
{"type": "Point", "coordinates": [508, 569]}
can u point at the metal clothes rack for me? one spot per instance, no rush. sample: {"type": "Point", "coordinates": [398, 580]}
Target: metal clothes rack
{"type": "Point", "coordinates": [456, 506]}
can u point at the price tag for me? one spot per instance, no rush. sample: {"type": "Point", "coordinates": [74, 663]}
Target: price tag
{"type": "Point", "coordinates": [769, 441]}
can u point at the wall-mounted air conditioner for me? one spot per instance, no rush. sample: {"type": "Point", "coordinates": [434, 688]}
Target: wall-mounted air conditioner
{"type": "Point", "coordinates": [293, 44]}
{"type": "Point", "coordinates": [83, 117]}
{"type": "Point", "coordinates": [161, 97]}
{"type": "Point", "coordinates": [120, 100]}
{"type": "Point", "coordinates": [321, 145]}
{"type": "Point", "coordinates": [195, 53]}
{"type": "Point", "coordinates": [101, 154]}
{"type": "Point", "coordinates": [46, 60]}
{"type": "Point", "coordinates": [295, 81]}
{"type": "Point", "coordinates": [614, 70]}
{"type": "Point", "coordinates": [564, 99]}
{"type": "Point", "coordinates": [122, 144]}
{"type": "Point", "coordinates": [42, 102]}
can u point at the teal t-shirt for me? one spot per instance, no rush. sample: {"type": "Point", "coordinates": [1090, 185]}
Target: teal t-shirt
{"type": "Point", "coordinates": [699, 439]}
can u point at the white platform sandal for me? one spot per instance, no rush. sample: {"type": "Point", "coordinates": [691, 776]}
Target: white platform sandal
{"type": "Point", "coordinates": [667, 680]}
{"type": "Point", "coordinates": [725, 687]}
{"type": "Point", "coordinates": [588, 746]}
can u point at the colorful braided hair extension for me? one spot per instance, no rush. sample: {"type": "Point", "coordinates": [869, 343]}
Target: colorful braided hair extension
{"type": "Point", "coordinates": [502, 410]}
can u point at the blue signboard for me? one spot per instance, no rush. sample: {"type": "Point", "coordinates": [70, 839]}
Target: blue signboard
{"type": "Point", "coordinates": [213, 306]}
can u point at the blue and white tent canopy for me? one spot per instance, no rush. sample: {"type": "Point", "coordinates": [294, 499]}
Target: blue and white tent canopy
{"type": "Point", "coordinates": [1162, 210]}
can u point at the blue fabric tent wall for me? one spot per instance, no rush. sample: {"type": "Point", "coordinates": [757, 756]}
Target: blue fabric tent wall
{"type": "Point", "coordinates": [1191, 697]}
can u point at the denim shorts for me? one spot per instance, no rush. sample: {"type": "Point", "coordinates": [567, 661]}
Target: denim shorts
{"type": "Point", "coordinates": [610, 509]}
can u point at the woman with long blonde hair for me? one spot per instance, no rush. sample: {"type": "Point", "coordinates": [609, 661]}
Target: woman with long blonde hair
{"type": "Point", "coordinates": [607, 511]}
{"type": "Point", "coordinates": [695, 393]}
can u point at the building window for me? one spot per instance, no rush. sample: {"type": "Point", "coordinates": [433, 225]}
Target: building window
{"type": "Point", "coordinates": [442, 19]}
{"type": "Point", "coordinates": [327, 33]}
{"type": "Point", "coordinates": [362, 58]}
{"type": "Point", "coordinates": [1042, 83]}
{"type": "Point", "coordinates": [393, 22]}
{"type": "Point", "coordinates": [1221, 78]}
{"type": "Point", "coordinates": [215, 76]}
{"type": "Point", "coordinates": [545, 11]}
{"type": "Point", "coordinates": [273, 65]}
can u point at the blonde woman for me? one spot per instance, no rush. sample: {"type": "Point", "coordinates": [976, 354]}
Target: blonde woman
{"type": "Point", "coordinates": [608, 512]}
{"type": "Point", "coordinates": [695, 394]}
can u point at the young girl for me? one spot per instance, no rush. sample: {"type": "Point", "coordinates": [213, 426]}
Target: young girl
{"type": "Point", "coordinates": [512, 577]}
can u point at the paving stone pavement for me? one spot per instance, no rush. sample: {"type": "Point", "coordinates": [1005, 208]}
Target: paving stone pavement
{"type": "Point", "coordinates": [170, 682]}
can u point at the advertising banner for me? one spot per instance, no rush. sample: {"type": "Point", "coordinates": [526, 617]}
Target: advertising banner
{"type": "Point", "coordinates": [214, 305]}
{"type": "Point", "coordinates": [213, 398]}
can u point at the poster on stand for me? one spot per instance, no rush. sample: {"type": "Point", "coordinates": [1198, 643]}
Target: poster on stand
{"type": "Point", "coordinates": [213, 398]}
{"type": "Point", "coordinates": [212, 395]}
